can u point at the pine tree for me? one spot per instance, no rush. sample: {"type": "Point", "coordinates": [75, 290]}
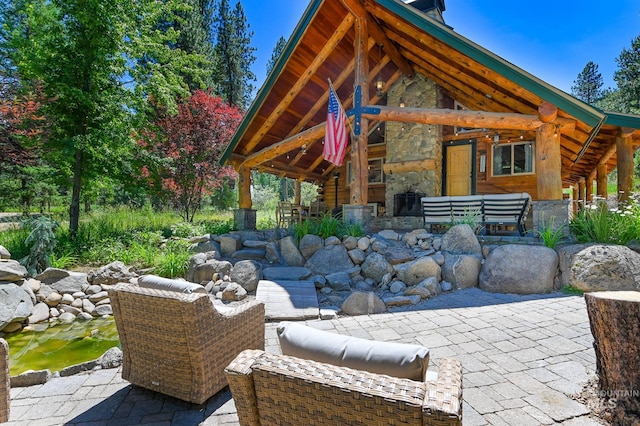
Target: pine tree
{"type": "Point", "coordinates": [275, 55]}
{"type": "Point", "coordinates": [234, 55]}
{"type": "Point", "coordinates": [588, 85]}
{"type": "Point", "coordinates": [627, 78]}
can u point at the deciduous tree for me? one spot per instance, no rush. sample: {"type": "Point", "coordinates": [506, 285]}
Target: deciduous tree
{"type": "Point", "coordinates": [186, 149]}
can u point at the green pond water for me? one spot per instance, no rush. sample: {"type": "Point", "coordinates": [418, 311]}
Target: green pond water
{"type": "Point", "coordinates": [61, 345]}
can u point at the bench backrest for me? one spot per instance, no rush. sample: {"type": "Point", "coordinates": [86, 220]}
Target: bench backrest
{"type": "Point", "coordinates": [506, 208]}
{"type": "Point", "coordinates": [436, 209]}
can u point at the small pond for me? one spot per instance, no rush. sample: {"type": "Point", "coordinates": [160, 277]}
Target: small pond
{"type": "Point", "coordinates": [62, 345]}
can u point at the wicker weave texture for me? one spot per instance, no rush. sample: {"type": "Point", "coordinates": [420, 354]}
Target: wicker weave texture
{"type": "Point", "coordinates": [4, 381]}
{"type": "Point", "coordinates": [178, 344]}
{"type": "Point", "coordinates": [284, 390]}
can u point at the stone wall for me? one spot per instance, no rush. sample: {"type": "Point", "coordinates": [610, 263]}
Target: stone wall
{"type": "Point", "coordinates": [409, 141]}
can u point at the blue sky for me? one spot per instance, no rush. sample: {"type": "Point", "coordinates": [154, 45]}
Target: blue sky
{"type": "Point", "coordinates": [553, 41]}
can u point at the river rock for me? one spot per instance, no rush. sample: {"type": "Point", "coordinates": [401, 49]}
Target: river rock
{"type": "Point", "coordinates": [389, 234]}
{"type": "Point", "coordinates": [12, 271]}
{"type": "Point", "coordinates": [290, 252]}
{"type": "Point", "coordinates": [398, 254]}
{"type": "Point", "coordinates": [53, 299]}
{"type": "Point", "coordinates": [339, 281]}
{"type": "Point", "coordinates": [67, 317]}
{"type": "Point", "coordinates": [247, 273]}
{"type": "Point", "coordinates": [309, 244]}
{"type": "Point", "coordinates": [113, 273]}
{"type": "Point", "coordinates": [364, 243]}
{"type": "Point", "coordinates": [4, 253]}
{"type": "Point", "coordinates": [330, 259]}
{"type": "Point", "coordinates": [203, 272]}
{"type": "Point", "coordinates": [15, 304]}
{"type": "Point", "coordinates": [229, 244]}
{"type": "Point", "coordinates": [350, 242]}
{"type": "Point", "coordinates": [39, 313]}
{"type": "Point", "coordinates": [363, 303]}
{"type": "Point", "coordinates": [112, 358]}
{"type": "Point", "coordinates": [461, 270]}
{"type": "Point", "coordinates": [234, 292]}
{"type": "Point", "coordinates": [600, 267]}
{"type": "Point", "coordinates": [103, 310]}
{"type": "Point", "coordinates": [375, 266]}
{"type": "Point", "coordinates": [519, 269]}
{"type": "Point", "coordinates": [30, 378]}
{"type": "Point", "coordinates": [460, 239]}
{"type": "Point", "coordinates": [357, 256]}
{"type": "Point", "coordinates": [413, 272]}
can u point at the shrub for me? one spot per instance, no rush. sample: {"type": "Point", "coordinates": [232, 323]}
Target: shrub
{"type": "Point", "coordinates": [549, 234]}
{"type": "Point", "coordinates": [597, 223]}
{"type": "Point", "coordinates": [42, 241]}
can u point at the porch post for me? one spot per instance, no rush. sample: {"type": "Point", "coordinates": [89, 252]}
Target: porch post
{"type": "Point", "coordinates": [581, 193]}
{"type": "Point", "coordinates": [359, 152]}
{"type": "Point", "coordinates": [297, 192]}
{"type": "Point", "coordinates": [624, 146]}
{"type": "Point", "coordinates": [589, 190]}
{"type": "Point", "coordinates": [244, 217]}
{"type": "Point", "coordinates": [602, 181]}
{"type": "Point", "coordinates": [548, 163]}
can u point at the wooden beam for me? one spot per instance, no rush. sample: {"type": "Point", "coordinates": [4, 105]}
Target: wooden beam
{"type": "Point", "coordinates": [359, 188]}
{"type": "Point", "coordinates": [377, 33]}
{"type": "Point", "coordinates": [409, 166]}
{"type": "Point", "coordinates": [244, 188]}
{"type": "Point", "coordinates": [311, 70]}
{"type": "Point", "coordinates": [547, 112]}
{"type": "Point", "coordinates": [604, 159]}
{"type": "Point", "coordinates": [282, 169]}
{"type": "Point", "coordinates": [462, 118]}
{"type": "Point", "coordinates": [285, 146]}
{"type": "Point", "coordinates": [624, 148]}
{"type": "Point", "coordinates": [548, 163]}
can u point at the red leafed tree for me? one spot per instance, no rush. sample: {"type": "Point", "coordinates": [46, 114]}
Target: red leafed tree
{"type": "Point", "coordinates": [19, 120]}
{"type": "Point", "coordinates": [187, 148]}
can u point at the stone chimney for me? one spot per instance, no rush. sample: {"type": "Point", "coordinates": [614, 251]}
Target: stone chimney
{"type": "Point", "coordinates": [432, 8]}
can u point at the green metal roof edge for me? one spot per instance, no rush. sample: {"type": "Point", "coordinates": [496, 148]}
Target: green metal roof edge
{"type": "Point", "coordinates": [620, 119]}
{"type": "Point", "coordinates": [272, 77]}
{"type": "Point", "coordinates": [571, 105]}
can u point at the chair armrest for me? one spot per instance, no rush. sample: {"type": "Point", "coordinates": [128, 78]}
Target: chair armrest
{"type": "Point", "coordinates": [244, 325]}
{"type": "Point", "coordinates": [444, 394]}
{"type": "Point", "coordinates": [240, 380]}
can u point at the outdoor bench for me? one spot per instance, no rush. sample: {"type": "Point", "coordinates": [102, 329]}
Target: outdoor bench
{"type": "Point", "coordinates": [489, 209]}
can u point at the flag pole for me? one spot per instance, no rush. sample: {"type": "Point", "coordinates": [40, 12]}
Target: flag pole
{"type": "Point", "coordinates": [351, 131]}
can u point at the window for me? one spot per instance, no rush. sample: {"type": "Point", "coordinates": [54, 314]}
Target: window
{"type": "Point", "coordinates": [376, 174]}
{"type": "Point", "coordinates": [513, 159]}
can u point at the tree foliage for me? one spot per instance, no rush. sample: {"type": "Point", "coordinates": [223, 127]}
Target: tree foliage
{"type": "Point", "coordinates": [277, 52]}
{"type": "Point", "coordinates": [627, 78]}
{"type": "Point", "coordinates": [588, 85]}
{"type": "Point", "coordinates": [234, 55]}
{"type": "Point", "coordinates": [182, 165]}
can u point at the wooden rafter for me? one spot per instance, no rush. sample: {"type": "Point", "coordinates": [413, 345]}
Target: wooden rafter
{"type": "Point", "coordinates": [282, 106]}
{"type": "Point", "coordinates": [291, 171]}
{"type": "Point", "coordinates": [377, 33]}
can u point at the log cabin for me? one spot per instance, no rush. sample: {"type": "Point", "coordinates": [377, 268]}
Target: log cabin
{"type": "Point", "coordinates": [430, 113]}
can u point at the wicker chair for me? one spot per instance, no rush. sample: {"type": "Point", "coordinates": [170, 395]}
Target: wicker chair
{"type": "Point", "coordinates": [4, 381]}
{"type": "Point", "coordinates": [178, 344]}
{"type": "Point", "coordinates": [285, 390]}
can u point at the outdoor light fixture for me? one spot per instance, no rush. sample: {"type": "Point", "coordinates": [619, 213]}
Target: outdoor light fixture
{"type": "Point", "coordinates": [496, 139]}
{"type": "Point", "coordinates": [379, 87]}
{"type": "Point", "coordinates": [402, 103]}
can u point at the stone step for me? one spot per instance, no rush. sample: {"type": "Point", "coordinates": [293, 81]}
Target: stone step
{"type": "Point", "coordinates": [288, 300]}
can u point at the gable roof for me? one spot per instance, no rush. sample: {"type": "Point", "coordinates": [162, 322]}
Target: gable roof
{"type": "Point", "coordinates": [294, 95]}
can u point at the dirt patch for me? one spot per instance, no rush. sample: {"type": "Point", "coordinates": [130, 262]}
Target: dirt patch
{"type": "Point", "coordinates": [603, 407]}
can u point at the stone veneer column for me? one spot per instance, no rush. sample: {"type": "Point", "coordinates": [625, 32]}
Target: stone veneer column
{"type": "Point", "coordinates": [410, 141]}
{"type": "Point", "coordinates": [545, 211]}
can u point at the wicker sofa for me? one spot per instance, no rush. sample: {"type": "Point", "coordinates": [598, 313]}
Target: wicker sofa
{"type": "Point", "coordinates": [4, 381]}
{"type": "Point", "coordinates": [279, 389]}
{"type": "Point", "coordinates": [179, 343]}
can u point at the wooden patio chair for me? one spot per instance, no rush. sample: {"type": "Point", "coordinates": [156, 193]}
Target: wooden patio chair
{"type": "Point", "coordinates": [287, 214]}
{"type": "Point", "coordinates": [178, 344]}
{"type": "Point", "coordinates": [317, 209]}
{"type": "Point", "coordinates": [4, 381]}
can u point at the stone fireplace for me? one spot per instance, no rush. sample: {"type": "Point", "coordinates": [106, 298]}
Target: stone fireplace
{"type": "Point", "coordinates": [407, 142]}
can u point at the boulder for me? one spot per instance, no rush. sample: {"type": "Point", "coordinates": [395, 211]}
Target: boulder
{"type": "Point", "coordinates": [112, 358]}
{"type": "Point", "coordinates": [203, 272]}
{"type": "Point", "coordinates": [4, 253]}
{"type": "Point", "coordinates": [15, 304]}
{"type": "Point", "coordinates": [375, 266]}
{"type": "Point", "coordinates": [12, 271]}
{"type": "Point", "coordinates": [397, 287]}
{"type": "Point", "coordinates": [460, 239]}
{"type": "Point", "coordinates": [287, 273]}
{"type": "Point", "coordinates": [339, 281]}
{"type": "Point", "coordinates": [272, 253]}
{"type": "Point", "coordinates": [415, 271]}
{"type": "Point", "coordinates": [461, 270]}
{"type": "Point", "coordinates": [364, 243]}
{"type": "Point", "coordinates": [332, 241]}
{"type": "Point", "coordinates": [247, 273]}
{"type": "Point", "coordinates": [249, 254]}
{"type": "Point", "coordinates": [229, 244]}
{"type": "Point", "coordinates": [67, 317]}
{"type": "Point", "coordinates": [290, 252]}
{"type": "Point", "coordinates": [329, 259]}
{"type": "Point", "coordinates": [350, 242]}
{"type": "Point", "coordinates": [357, 256]}
{"type": "Point", "coordinates": [600, 267]}
{"type": "Point", "coordinates": [519, 269]}
{"type": "Point", "coordinates": [234, 292]}
{"type": "Point", "coordinates": [102, 310]}
{"type": "Point", "coordinates": [30, 378]}
{"type": "Point", "coordinates": [426, 288]}
{"type": "Point", "coordinates": [113, 273]}
{"type": "Point", "coordinates": [64, 281]}
{"type": "Point", "coordinates": [389, 234]}
{"type": "Point", "coordinates": [309, 244]}
{"type": "Point", "coordinates": [363, 303]}
{"type": "Point", "coordinates": [207, 246]}
{"type": "Point", "coordinates": [398, 254]}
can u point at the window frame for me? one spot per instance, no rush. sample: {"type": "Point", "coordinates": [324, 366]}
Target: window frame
{"type": "Point", "coordinates": [382, 180]}
{"type": "Point", "coordinates": [512, 145]}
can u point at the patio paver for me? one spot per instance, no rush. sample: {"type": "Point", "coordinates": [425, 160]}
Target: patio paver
{"type": "Point", "coordinates": [513, 374]}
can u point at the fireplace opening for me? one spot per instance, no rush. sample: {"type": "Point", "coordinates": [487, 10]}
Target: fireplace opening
{"type": "Point", "coordinates": [407, 204]}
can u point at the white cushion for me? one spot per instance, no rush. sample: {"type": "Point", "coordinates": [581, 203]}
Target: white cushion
{"type": "Point", "coordinates": [393, 359]}
{"type": "Point", "coordinates": [160, 283]}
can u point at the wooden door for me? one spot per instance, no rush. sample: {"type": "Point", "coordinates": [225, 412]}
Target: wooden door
{"type": "Point", "coordinates": [459, 172]}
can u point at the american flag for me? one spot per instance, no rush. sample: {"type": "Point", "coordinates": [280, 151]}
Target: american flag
{"type": "Point", "coordinates": [337, 136]}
